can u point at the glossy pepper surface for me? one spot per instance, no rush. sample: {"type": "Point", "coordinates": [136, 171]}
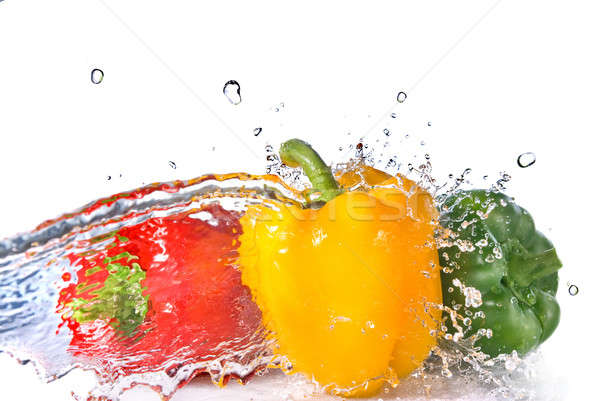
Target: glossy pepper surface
{"type": "Point", "coordinates": [499, 270]}
{"type": "Point", "coordinates": [151, 295]}
{"type": "Point", "coordinates": [346, 289]}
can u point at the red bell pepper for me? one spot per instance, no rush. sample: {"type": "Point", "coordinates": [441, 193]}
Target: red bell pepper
{"type": "Point", "coordinates": [162, 294]}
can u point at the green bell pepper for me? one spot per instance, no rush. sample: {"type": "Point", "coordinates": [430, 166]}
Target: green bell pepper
{"type": "Point", "coordinates": [498, 271]}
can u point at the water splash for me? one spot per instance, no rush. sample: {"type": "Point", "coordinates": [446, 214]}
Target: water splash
{"type": "Point", "coordinates": [51, 282]}
{"type": "Point", "coordinates": [40, 272]}
{"type": "Point", "coordinates": [456, 364]}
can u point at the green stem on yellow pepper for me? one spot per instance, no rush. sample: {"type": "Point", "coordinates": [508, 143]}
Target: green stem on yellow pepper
{"type": "Point", "coordinates": [297, 153]}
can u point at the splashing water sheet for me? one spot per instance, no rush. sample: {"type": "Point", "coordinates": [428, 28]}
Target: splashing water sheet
{"type": "Point", "coordinates": [142, 288]}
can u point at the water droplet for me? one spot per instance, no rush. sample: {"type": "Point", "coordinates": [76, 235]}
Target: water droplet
{"type": "Point", "coordinates": [257, 131]}
{"type": "Point", "coordinates": [386, 132]}
{"type": "Point", "coordinates": [429, 123]}
{"type": "Point", "coordinates": [573, 290]}
{"type": "Point", "coordinates": [172, 164]}
{"type": "Point", "coordinates": [97, 76]}
{"type": "Point", "coordinates": [530, 298]}
{"type": "Point", "coordinates": [510, 364]}
{"type": "Point", "coordinates": [526, 159]}
{"type": "Point", "coordinates": [231, 90]}
{"type": "Point", "coordinates": [393, 115]}
{"type": "Point", "coordinates": [108, 178]}
{"type": "Point", "coordinates": [401, 97]}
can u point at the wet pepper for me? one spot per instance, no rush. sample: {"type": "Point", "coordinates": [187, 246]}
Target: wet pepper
{"type": "Point", "coordinates": [500, 271]}
{"type": "Point", "coordinates": [347, 288]}
{"type": "Point", "coordinates": [160, 292]}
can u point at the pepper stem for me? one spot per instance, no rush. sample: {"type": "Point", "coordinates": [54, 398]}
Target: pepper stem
{"type": "Point", "coordinates": [297, 153]}
{"type": "Point", "coordinates": [526, 270]}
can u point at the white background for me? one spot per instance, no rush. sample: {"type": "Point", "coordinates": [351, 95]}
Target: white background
{"type": "Point", "coordinates": [494, 78]}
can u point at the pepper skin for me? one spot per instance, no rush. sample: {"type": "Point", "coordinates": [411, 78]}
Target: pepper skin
{"type": "Point", "coordinates": [160, 295]}
{"type": "Point", "coordinates": [346, 289]}
{"type": "Point", "coordinates": [496, 249]}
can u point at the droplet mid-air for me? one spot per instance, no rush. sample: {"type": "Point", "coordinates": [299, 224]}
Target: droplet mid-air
{"type": "Point", "coordinates": [257, 131]}
{"type": "Point", "coordinates": [573, 289]}
{"type": "Point", "coordinates": [231, 90]}
{"type": "Point", "coordinates": [526, 159]}
{"type": "Point", "coordinates": [172, 164]}
{"type": "Point", "coordinates": [401, 97]}
{"type": "Point", "coordinates": [386, 132]}
{"type": "Point", "coordinates": [97, 76]}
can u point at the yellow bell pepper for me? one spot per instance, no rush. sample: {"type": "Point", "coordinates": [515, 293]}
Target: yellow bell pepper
{"type": "Point", "coordinates": [349, 290]}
